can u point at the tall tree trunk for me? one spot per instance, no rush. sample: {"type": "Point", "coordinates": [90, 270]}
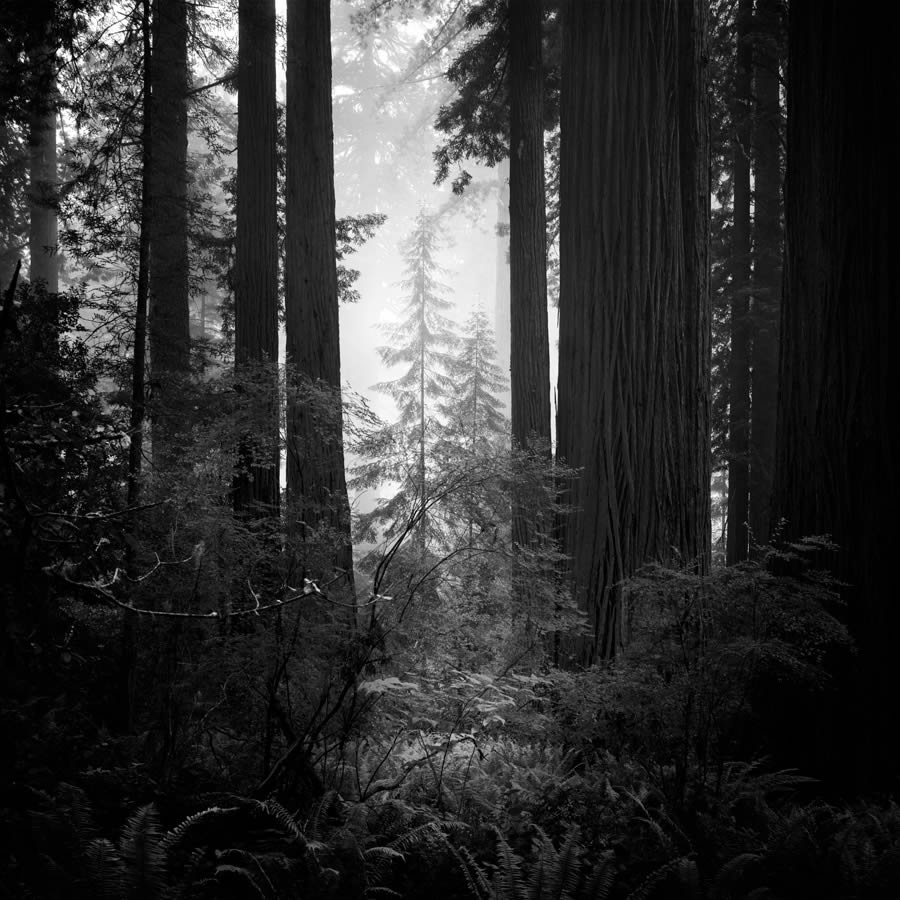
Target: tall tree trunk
{"type": "Point", "coordinates": [315, 465]}
{"type": "Point", "coordinates": [502, 279]}
{"type": "Point", "coordinates": [623, 307]}
{"type": "Point", "coordinates": [836, 456]}
{"type": "Point", "coordinates": [530, 349]}
{"type": "Point", "coordinates": [43, 237]}
{"type": "Point", "coordinates": [169, 319]}
{"type": "Point", "coordinates": [530, 343]}
{"type": "Point", "coordinates": [128, 658]}
{"type": "Point", "coordinates": [256, 253]}
{"type": "Point", "coordinates": [696, 303]}
{"type": "Point", "coordinates": [767, 252]}
{"type": "Point", "coordinates": [738, 539]}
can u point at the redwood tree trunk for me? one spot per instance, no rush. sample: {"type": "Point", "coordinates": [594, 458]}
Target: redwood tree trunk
{"type": "Point", "coordinates": [767, 252]}
{"type": "Point", "coordinates": [836, 456]}
{"type": "Point", "coordinates": [624, 305]}
{"type": "Point", "coordinates": [256, 252]}
{"type": "Point", "coordinates": [530, 350]}
{"type": "Point", "coordinates": [738, 538]}
{"type": "Point", "coordinates": [168, 321]}
{"type": "Point", "coordinates": [315, 464]}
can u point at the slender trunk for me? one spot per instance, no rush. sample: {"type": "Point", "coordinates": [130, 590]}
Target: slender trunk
{"type": "Point", "coordinates": [169, 319]}
{"type": "Point", "coordinates": [43, 238]}
{"type": "Point", "coordinates": [256, 484]}
{"type": "Point", "coordinates": [693, 147]}
{"type": "Point", "coordinates": [767, 250]}
{"type": "Point", "coordinates": [315, 465]}
{"type": "Point", "coordinates": [423, 342]}
{"type": "Point", "coordinates": [737, 543]}
{"type": "Point", "coordinates": [139, 361]}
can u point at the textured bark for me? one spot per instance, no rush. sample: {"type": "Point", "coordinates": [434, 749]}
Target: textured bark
{"type": "Point", "coordinates": [43, 237]}
{"type": "Point", "coordinates": [624, 384]}
{"type": "Point", "coordinates": [530, 343]}
{"type": "Point", "coordinates": [837, 450]}
{"type": "Point", "coordinates": [530, 349]}
{"type": "Point", "coordinates": [738, 538]}
{"type": "Point", "coordinates": [315, 462]}
{"type": "Point", "coordinates": [696, 309]}
{"type": "Point", "coordinates": [256, 246]}
{"type": "Point", "coordinates": [169, 315]}
{"type": "Point", "coordinates": [767, 252]}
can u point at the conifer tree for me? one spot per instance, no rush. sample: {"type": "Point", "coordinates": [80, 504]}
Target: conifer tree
{"type": "Point", "coordinates": [421, 342]}
{"type": "Point", "coordinates": [475, 426]}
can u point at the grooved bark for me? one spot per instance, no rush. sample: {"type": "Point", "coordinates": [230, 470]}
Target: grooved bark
{"type": "Point", "coordinates": [530, 350]}
{"type": "Point", "coordinates": [169, 313]}
{"type": "Point", "coordinates": [738, 538]}
{"type": "Point", "coordinates": [836, 456]}
{"type": "Point", "coordinates": [256, 245]}
{"type": "Point", "coordinates": [624, 309]}
{"type": "Point", "coordinates": [767, 250]}
{"type": "Point", "coordinates": [315, 464]}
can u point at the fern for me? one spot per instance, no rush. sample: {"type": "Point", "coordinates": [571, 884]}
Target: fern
{"type": "Point", "coordinates": [179, 834]}
{"type": "Point", "coordinates": [143, 853]}
{"type": "Point", "coordinates": [508, 884]}
{"type": "Point", "coordinates": [105, 869]}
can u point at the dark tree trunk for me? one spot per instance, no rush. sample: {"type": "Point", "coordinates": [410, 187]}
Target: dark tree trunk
{"type": "Point", "coordinates": [256, 484]}
{"type": "Point", "coordinates": [530, 349]}
{"type": "Point", "coordinates": [529, 339]}
{"type": "Point", "coordinates": [767, 253]}
{"type": "Point", "coordinates": [317, 488]}
{"type": "Point", "coordinates": [43, 238]}
{"type": "Point", "coordinates": [169, 327]}
{"type": "Point", "coordinates": [623, 304]}
{"type": "Point", "coordinates": [836, 457]}
{"type": "Point", "coordinates": [696, 310]}
{"type": "Point", "coordinates": [738, 539]}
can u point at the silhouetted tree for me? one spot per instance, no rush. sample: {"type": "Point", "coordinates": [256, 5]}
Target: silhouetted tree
{"type": "Point", "coordinates": [168, 318]}
{"type": "Point", "coordinates": [256, 246]}
{"type": "Point", "coordinates": [315, 456]}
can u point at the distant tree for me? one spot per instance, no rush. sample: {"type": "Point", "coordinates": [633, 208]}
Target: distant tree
{"type": "Point", "coordinates": [632, 383]}
{"type": "Point", "coordinates": [255, 275]}
{"type": "Point", "coordinates": [317, 488]}
{"type": "Point", "coordinates": [168, 317]}
{"type": "Point", "coordinates": [421, 342]}
{"type": "Point", "coordinates": [836, 454]}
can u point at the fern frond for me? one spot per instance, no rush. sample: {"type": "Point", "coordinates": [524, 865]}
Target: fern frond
{"type": "Point", "coordinates": [601, 883]}
{"type": "Point", "coordinates": [105, 869]}
{"type": "Point", "coordinates": [316, 820]}
{"type": "Point", "coordinates": [476, 880]}
{"type": "Point", "coordinates": [415, 836]}
{"type": "Point", "coordinates": [661, 873]}
{"type": "Point", "coordinates": [508, 883]}
{"type": "Point", "coordinates": [287, 822]}
{"type": "Point", "coordinates": [179, 833]}
{"type": "Point", "coordinates": [143, 853]}
{"type": "Point", "coordinates": [239, 873]}
{"type": "Point", "coordinates": [379, 891]}
{"type": "Point", "coordinates": [563, 878]}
